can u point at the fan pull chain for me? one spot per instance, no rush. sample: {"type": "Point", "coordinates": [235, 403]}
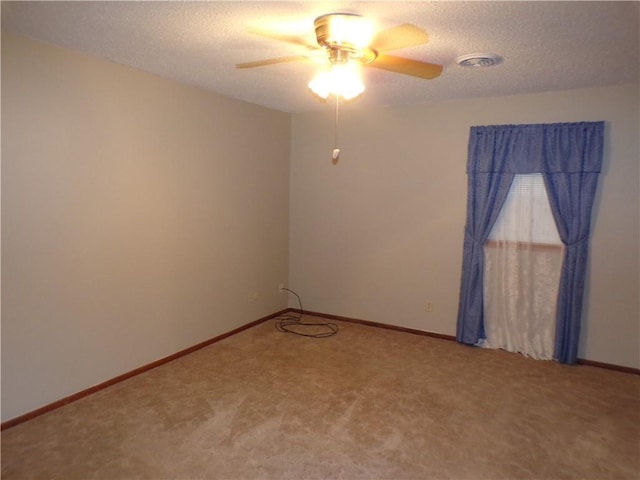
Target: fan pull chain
{"type": "Point", "coordinates": [335, 156]}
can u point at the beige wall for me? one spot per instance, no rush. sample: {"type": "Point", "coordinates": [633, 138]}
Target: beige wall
{"type": "Point", "coordinates": [139, 217]}
{"type": "Point", "coordinates": [379, 235]}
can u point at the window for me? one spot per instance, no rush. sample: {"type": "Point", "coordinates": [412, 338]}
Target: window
{"type": "Point", "coordinates": [523, 261]}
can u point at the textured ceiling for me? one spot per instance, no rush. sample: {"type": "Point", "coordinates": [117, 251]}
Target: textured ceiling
{"type": "Point", "coordinates": [546, 45]}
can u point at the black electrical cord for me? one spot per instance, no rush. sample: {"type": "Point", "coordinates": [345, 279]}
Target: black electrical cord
{"type": "Point", "coordinates": [292, 323]}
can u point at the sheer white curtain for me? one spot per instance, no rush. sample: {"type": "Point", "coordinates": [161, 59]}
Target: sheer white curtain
{"type": "Point", "coordinates": [523, 261]}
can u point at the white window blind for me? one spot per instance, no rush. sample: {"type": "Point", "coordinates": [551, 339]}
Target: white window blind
{"type": "Point", "coordinates": [526, 215]}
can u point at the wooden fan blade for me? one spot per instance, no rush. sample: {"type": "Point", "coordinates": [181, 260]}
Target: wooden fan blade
{"type": "Point", "coordinates": [272, 61]}
{"type": "Point", "coordinates": [407, 66]}
{"type": "Point", "coordinates": [282, 37]}
{"type": "Point", "coordinates": [405, 35]}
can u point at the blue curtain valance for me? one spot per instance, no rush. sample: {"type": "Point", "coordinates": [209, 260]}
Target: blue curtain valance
{"type": "Point", "coordinates": [537, 148]}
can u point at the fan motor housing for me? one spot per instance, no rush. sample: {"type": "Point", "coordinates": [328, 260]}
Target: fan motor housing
{"type": "Point", "coordinates": [341, 49]}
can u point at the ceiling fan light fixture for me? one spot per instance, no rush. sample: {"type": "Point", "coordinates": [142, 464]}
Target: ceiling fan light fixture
{"type": "Point", "coordinates": [348, 41]}
{"type": "Point", "coordinates": [341, 79]}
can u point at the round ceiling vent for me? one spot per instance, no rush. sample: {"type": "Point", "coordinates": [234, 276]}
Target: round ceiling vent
{"type": "Point", "coordinates": [479, 60]}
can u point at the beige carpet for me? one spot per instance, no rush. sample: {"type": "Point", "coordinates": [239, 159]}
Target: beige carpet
{"type": "Point", "coordinates": [367, 403]}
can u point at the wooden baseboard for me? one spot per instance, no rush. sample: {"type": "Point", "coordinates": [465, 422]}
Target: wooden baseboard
{"type": "Point", "coordinates": [84, 393]}
{"type": "Point", "coordinates": [608, 366]}
{"type": "Point", "coordinates": [378, 325]}
{"type": "Point", "coordinates": [579, 361]}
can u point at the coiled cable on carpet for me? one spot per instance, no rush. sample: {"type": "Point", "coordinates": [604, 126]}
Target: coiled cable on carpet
{"type": "Point", "coordinates": [292, 323]}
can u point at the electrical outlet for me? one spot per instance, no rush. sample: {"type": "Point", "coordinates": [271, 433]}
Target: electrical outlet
{"type": "Point", "coordinates": [429, 306]}
{"type": "Point", "coordinates": [253, 296]}
{"type": "Point", "coordinates": [281, 288]}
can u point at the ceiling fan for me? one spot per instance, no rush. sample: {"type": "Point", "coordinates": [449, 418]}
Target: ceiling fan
{"type": "Point", "coordinates": [348, 42]}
